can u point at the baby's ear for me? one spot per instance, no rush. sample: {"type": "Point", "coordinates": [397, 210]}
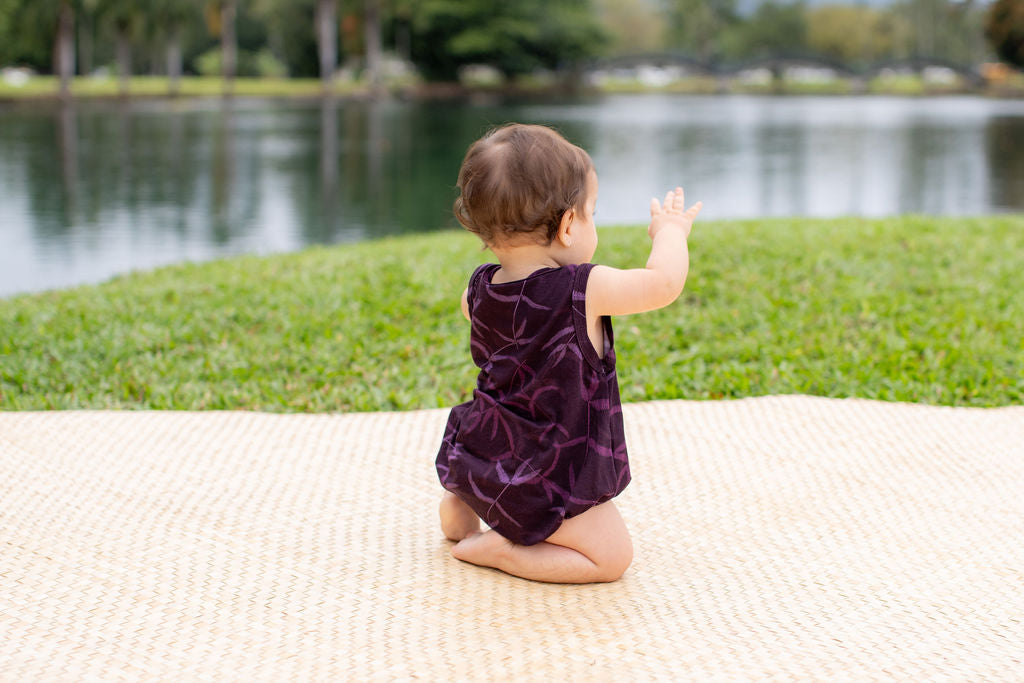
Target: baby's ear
{"type": "Point", "coordinates": [563, 227]}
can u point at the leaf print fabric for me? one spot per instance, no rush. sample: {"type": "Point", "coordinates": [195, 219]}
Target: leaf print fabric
{"type": "Point", "coordinates": [542, 438]}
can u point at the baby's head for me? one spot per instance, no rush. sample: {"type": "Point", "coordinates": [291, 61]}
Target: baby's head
{"type": "Point", "coordinates": [518, 180]}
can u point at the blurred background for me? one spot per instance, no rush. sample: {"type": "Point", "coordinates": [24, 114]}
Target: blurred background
{"type": "Point", "coordinates": [135, 133]}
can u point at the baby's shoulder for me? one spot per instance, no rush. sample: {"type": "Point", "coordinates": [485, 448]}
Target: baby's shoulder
{"type": "Point", "coordinates": [482, 272]}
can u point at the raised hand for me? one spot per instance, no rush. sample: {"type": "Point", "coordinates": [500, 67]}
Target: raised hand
{"type": "Point", "coordinates": [672, 213]}
{"type": "Point", "coordinates": [611, 291]}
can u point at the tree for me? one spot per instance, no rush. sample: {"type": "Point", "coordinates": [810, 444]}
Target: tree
{"type": "Point", "coordinates": [401, 22]}
{"type": "Point", "coordinates": [40, 34]}
{"type": "Point", "coordinates": [941, 28]}
{"type": "Point", "coordinates": [633, 26]}
{"type": "Point", "coordinates": [169, 18]}
{"type": "Point", "coordinates": [895, 31]}
{"type": "Point", "coordinates": [221, 16]}
{"type": "Point", "coordinates": [371, 26]}
{"type": "Point", "coordinates": [1004, 28]}
{"type": "Point", "coordinates": [327, 38]}
{"type": "Point", "coordinates": [969, 42]}
{"type": "Point", "coordinates": [229, 41]}
{"type": "Point", "coordinates": [126, 18]}
{"type": "Point", "coordinates": [64, 54]}
{"type": "Point", "coordinates": [7, 10]}
{"type": "Point", "coordinates": [304, 34]}
{"type": "Point", "coordinates": [694, 26]}
{"type": "Point", "coordinates": [514, 37]}
{"type": "Point", "coordinates": [855, 33]}
{"type": "Point", "coordinates": [775, 29]}
{"type": "Point", "coordinates": [7, 24]}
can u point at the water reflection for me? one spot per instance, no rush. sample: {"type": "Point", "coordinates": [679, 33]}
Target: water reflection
{"type": "Point", "coordinates": [1005, 157]}
{"type": "Point", "coordinates": [222, 179]}
{"type": "Point", "coordinates": [88, 190]}
{"type": "Point", "coordinates": [329, 152]}
{"type": "Point", "coordinates": [68, 151]}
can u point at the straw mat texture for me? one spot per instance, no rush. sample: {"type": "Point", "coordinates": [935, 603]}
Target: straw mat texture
{"type": "Point", "coordinates": [778, 537]}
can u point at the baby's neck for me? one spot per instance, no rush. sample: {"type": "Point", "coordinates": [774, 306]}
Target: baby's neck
{"type": "Point", "coordinates": [518, 262]}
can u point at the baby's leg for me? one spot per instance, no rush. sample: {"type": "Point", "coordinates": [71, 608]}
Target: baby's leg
{"type": "Point", "coordinates": [457, 519]}
{"type": "Point", "coordinates": [591, 547]}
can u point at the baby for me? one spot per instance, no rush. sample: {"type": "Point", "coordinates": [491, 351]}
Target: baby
{"type": "Point", "coordinates": [539, 451]}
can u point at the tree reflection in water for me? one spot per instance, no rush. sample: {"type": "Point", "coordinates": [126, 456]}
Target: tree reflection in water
{"type": "Point", "coordinates": [91, 189]}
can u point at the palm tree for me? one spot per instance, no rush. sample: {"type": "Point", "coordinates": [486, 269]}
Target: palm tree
{"type": "Point", "coordinates": [65, 49]}
{"type": "Point", "coordinates": [229, 42]}
{"type": "Point", "coordinates": [36, 14]}
{"type": "Point", "coordinates": [220, 20]}
{"type": "Point", "coordinates": [169, 16]}
{"type": "Point", "coordinates": [126, 17]}
{"type": "Point", "coordinates": [327, 39]}
{"type": "Point", "coordinates": [371, 22]}
{"type": "Point", "coordinates": [325, 28]}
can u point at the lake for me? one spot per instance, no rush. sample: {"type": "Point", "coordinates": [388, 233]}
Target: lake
{"type": "Point", "coordinates": [96, 189]}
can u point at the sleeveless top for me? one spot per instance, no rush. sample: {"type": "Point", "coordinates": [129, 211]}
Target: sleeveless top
{"type": "Point", "coordinates": [542, 438]}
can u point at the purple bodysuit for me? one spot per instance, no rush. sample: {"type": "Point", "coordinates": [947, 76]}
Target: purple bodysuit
{"type": "Point", "coordinates": [542, 438]}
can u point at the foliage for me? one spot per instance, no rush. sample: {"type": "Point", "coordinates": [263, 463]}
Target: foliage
{"type": "Point", "coordinates": [166, 18]}
{"type": "Point", "coordinates": [31, 29]}
{"type": "Point", "coordinates": [263, 64]}
{"type": "Point", "coordinates": [633, 26]}
{"type": "Point", "coordinates": [775, 28]}
{"type": "Point", "coordinates": [7, 24]}
{"type": "Point", "coordinates": [903, 309]}
{"type": "Point", "coordinates": [942, 28]}
{"type": "Point", "coordinates": [290, 33]}
{"type": "Point", "coordinates": [518, 37]}
{"type": "Point", "coordinates": [515, 37]}
{"type": "Point", "coordinates": [125, 15]}
{"type": "Point", "coordinates": [855, 34]}
{"type": "Point", "coordinates": [1004, 28]}
{"type": "Point", "coordinates": [173, 11]}
{"type": "Point", "coordinates": [695, 26]}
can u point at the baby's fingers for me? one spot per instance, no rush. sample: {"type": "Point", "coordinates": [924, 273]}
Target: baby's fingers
{"type": "Point", "coordinates": [679, 199]}
{"type": "Point", "coordinates": [694, 210]}
{"type": "Point", "coordinates": [655, 207]}
{"type": "Point", "coordinates": [674, 201]}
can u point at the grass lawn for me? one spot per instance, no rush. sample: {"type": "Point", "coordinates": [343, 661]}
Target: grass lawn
{"type": "Point", "coordinates": [157, 86]}
{"type": "Point", "coordinates": [47, 87]}
{"type": "Point", "coordinates": [906, 309]}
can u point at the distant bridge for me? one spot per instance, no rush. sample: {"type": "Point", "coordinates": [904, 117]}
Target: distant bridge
{"type": "Point", "coordinates": [780, 63]}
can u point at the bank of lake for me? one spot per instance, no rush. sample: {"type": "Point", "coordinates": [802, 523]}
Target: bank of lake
{"type": "Point", "coordinates": [83, 87]}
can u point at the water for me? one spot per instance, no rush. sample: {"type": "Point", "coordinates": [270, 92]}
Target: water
{"type": "Point", "coordinates": [98, 189]}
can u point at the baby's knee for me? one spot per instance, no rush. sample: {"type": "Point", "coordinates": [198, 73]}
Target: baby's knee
{"type": "Point", "coordinates": [449, 505]}
{"type": "Point", "coordinates": [616, 559]}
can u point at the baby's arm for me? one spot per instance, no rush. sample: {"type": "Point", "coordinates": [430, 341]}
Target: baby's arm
{"type": "Point", "coordinates": [611, 291]}
{"type": "Point", "coordinates": [465, 302]}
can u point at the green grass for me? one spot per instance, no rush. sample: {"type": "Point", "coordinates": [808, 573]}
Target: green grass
{"type": "Point", "coordinates": [46, 87]}
{"type": "Point", "coordinates": [908, 309]}
{"type": "Point", "coordinates": [157, 86]}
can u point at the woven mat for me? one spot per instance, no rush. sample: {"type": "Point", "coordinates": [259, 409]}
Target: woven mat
{"type": "Point", "coordinates": [776, 537]}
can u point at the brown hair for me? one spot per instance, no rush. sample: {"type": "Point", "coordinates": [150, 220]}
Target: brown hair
{"type": "Point", "coordinates": [520, 179]}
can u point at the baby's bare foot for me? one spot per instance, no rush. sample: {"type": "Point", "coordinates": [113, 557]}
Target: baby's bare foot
{"type": "Point", "coordinates": [482, 548]}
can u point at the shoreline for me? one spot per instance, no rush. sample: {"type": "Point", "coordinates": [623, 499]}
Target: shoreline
{"type": "Point", "coordinates": [156, 89]}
